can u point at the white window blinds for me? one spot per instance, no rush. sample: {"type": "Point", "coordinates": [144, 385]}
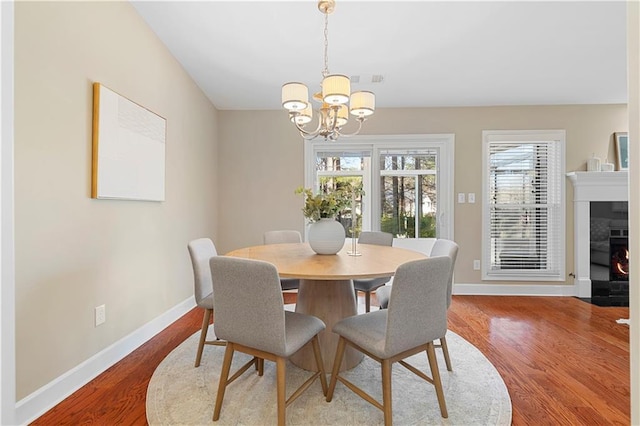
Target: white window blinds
{"type": "Point", "coordinates": [523, 206]}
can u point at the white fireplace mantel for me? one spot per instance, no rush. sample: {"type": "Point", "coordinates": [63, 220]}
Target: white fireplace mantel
{"type": "Point", "coordinates": [588, 187]}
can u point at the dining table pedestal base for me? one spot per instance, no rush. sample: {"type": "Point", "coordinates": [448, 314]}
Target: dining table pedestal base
{"type": "Point", "coordinates": [331, 301]}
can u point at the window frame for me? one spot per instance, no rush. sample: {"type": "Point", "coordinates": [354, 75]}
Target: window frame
{"type": "Point", "coordinates": [443, 143]}
{"type": "Point", "coordinates": [523, 136]}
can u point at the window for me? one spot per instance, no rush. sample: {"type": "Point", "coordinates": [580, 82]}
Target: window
{"type": "Point", "coordinates": [407, 192]}
{"type": "Point", "coordinates": [342, 168]}
{"type": "Point", "coordinates": [523, 205]}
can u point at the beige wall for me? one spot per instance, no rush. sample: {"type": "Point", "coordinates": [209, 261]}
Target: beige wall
{"type": "Point", "coordinates": [263, 163]}
{"type": "Point", "coordinates": [72, 252]}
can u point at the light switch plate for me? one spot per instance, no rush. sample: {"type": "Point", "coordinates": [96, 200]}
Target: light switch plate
{"type": "Point", "coordinates": [471, 197]}
{"type": "Point", "coordinates": [461, 197]}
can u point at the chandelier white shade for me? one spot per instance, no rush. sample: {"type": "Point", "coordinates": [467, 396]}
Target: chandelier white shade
{"type": "Point", "coordinates": [343, 115]}
{"type": "Point", "coordinates": [336, 89]}
{"type": "Point", "coordinates": [295, 96]}
{"type": "Point", "coordinates": [363, 104]}
{"type": "Point", "coordinates": [334, 97]}
{"type": "Point", "coordinates": [303, 117]}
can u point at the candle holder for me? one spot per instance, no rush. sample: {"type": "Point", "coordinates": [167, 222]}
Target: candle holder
{"type": "Point", "coordinates": [354, 247]}
{"type": "Point", "coordinates": [354, 219]}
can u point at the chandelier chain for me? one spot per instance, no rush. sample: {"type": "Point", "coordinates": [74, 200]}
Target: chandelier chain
{"type": "Point", "coordinates": [325, 72]}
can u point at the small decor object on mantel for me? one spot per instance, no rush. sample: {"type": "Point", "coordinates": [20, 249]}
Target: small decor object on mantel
{"type": "Point", "coordinates": [593, 163]}
{"type": "Point", "coordinates": [326, 235]}
{"type": "Point", "coordinates": [607, 166]}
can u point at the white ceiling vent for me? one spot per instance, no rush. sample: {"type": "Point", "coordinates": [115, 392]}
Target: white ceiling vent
{"type": "Point", "coordinates": [366, 78]}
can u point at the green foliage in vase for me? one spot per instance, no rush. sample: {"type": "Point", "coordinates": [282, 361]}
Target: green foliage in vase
{"type": "Point", "coordinates": [327, 205]}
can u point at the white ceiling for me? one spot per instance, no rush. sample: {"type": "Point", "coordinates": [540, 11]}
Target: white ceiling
{"type": "Point", "coordinates": [431, 53]}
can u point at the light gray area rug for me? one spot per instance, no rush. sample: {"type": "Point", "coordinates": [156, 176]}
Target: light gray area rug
{"type": "Point", "coordinates": [179, 394]}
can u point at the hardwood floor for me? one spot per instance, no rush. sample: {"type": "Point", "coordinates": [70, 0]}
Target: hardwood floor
{"type": "Point", "coordinates": [564, 361]}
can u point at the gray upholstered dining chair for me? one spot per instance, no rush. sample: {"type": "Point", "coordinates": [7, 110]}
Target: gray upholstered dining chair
{"type": "Point", "coordinates": [442, 247]}
{"type": "Point", "coordinates": [200, 251]}
{"type": "Point", "coordinates": [369, 285]}
{"type": "Point", "coordinates": [250, 316]}
{"type": "Point", "coordinates": [282, 237]}
{"type": "Point", "coordinates": [416, 316]}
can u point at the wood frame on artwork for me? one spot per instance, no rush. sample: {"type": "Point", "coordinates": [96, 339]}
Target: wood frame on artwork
{"type": "Point", "coordinates": [622, 150]}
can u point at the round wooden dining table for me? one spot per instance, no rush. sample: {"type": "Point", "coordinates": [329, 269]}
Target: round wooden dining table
{"type": "Point", "coordinates": [326, 286]}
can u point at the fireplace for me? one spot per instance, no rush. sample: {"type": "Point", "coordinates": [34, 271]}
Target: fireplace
{"type": "Point", "coordinates": [619, 259]}
{"type": "Point", "coordinates": [593, 253]}
{"type": "Point", "coordinates": [609, 243]}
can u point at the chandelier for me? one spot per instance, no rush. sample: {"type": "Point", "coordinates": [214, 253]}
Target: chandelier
{"type": "Point", "coordinates": [335, 94]}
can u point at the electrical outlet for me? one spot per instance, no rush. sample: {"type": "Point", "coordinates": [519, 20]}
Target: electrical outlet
{"type": "Point", "coordinates": [101, 314]}
{"type": "Point", "coordinates": [461, 197]}
{"type": "Point", "coordinates": [476, 265]}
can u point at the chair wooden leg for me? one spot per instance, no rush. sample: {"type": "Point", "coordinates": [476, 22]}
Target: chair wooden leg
{"type": "Point", "coordinates": [336, 367]}
{"type": "Point", "coordinates": [367, 301]}
{"type": "Point", "coordinates": [435, 374]}
{"type": "Point", "coordinates": [386, 392]}
{"type": "Point", "coordinates": [260, 366]}
{"type": "Point", "coordinates": [318, 355]}
{"type": "Point", "coordinates": [445, 352]}
{"type": "Point", "coordinates": [281, 372]}
{"type": "Point", "coordinates": [224, 376]}
{"type": "Point", "coordinates": [203, 334]}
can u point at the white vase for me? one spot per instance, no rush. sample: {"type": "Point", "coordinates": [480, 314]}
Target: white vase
{"type": "Point", "coordinates": [326, 236]}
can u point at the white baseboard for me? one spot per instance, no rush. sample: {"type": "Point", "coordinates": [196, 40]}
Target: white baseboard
{"type": "Point", "coordinates": [514, 290]}
{"type": "Point", "coordinates": [39, 402]}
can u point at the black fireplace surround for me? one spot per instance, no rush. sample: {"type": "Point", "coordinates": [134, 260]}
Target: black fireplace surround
{"type": "Point", "coordinates": [609, 254]}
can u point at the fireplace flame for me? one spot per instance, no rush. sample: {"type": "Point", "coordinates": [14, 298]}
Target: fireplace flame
{"type": "Point", "coordinates": [622, 268]}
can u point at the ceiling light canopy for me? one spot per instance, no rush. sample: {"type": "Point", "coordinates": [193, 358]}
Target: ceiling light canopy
{"type": "Point", "coordinates": [335, 94]}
